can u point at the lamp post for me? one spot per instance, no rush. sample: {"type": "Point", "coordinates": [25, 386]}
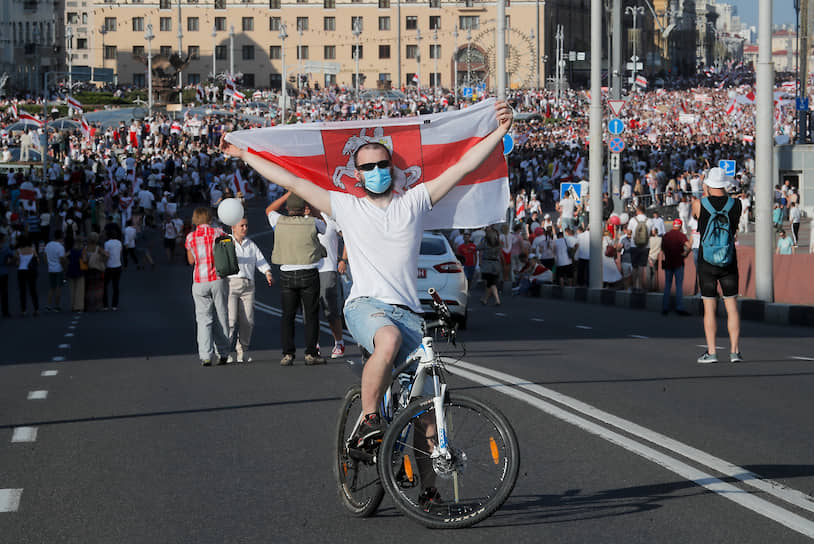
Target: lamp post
{"type": "Point", "coordinates": [299, 56]}
{"type": "Point", "coordinates": [455, 62]}
{"type": "Point", "coordinates": [537, 61]}
{"type": "Point", "coordinates": [69, 50]}
{"type": "Point", "coordinates": [635, 11]}
{"type": "Point", "coordinates": [180, 56]}
{"type": "Point", "coordinates": [232, 51]}
{"type": "Point", "coordinates": [418, 39]}
{"type": "Point", "coordinates": [468, 55]}
{"type": "Point", "coordinates": [149, 37]}
{"type": "Point", "coordinates": [214, 48]}
{"type": "Point", "coordinates": [435, 53]}
{"type": "Point", "coordinates": [283, 94]}
{"type": "Point", "coordinates": [357, 32]}
{"type": "Point", "coordinates": [102, 32]}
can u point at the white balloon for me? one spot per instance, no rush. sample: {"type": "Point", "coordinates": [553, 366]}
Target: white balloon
{"type": "Point", "coordinates": [230, 211]}
{"type": "Point", "coordinates": [624, 218]}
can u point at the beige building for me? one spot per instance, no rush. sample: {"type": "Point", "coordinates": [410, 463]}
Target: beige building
{"type": "Point", "coordinates": [398, 41]}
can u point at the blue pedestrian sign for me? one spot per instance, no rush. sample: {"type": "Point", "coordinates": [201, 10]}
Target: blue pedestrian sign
{"type": "Point", "coordinates": [802, 103]}
{"type": "Point", "coordinates": [481, 87]}
{"type": "Point", "coordinates": [728, 167]}
{"type": "Point", "coordinates": [616, 145]}
{"type": "Point", "coordinates": [575, 189]}
{"type": "Point", "coordinates": [616, 126]}
{"type": "Point", "coordinates": [467, 92]}
{"type": "Point", "coordinates": [508, 144]}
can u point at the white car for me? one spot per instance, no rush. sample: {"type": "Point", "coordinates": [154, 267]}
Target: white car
{"type": "Point", "coordinates": [439, 268]}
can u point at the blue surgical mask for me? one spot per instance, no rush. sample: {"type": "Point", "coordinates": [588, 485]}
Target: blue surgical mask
{"type": "Point", "coordinates": [377, 180]}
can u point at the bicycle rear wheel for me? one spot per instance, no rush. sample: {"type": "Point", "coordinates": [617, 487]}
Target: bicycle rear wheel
{"type": "Point", "coordinates": [360, 489]}
{"type": "Point", "coordinates": [469, 486]}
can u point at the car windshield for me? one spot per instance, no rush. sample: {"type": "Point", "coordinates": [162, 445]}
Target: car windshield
{"type": "Point", "coordinates": [433, 246]}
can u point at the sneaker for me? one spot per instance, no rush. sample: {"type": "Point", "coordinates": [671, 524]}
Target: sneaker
{"type": "Point", "coordinates": [222, 360]}
{"type": "Point", "coordinates": [338, 351]}
{"type": "Point", "coordinates": [429, 497]}
{"type": "Point", "coordinates": [735, 357]}
{"type": "Point", "coordinates": [371, 429]}
{"type": "Point", "coordinates": [314, 360]}
{"type": "Point", "coordinates": [708, 358]}
{"type": "Point", "coordinates": [244, 358]}
{"type": "Point", "coordinates": [231, 358]}
{"type": "Point", "coordinates": [287, 360]}
{"type": "Point", "coordinates": [206, 362]}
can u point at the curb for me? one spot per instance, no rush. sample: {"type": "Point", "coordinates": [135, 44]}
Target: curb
{"type": "Point", "coordinates": [750, 309]}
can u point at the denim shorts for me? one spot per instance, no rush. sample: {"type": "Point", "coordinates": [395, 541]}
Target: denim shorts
{"type": "Point", "coordinates": [364, 316]}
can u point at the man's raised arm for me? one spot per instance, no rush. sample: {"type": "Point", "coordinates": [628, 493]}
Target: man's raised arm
{"type": "Point", "coordinates": [440, 186]}
{"type": "Point", "coordinates": [309, 191]}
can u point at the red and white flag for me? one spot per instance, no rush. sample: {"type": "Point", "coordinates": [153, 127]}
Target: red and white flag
{"type": "Point", "coordinates": [237, 95]}
{"type": "Point", "coordinates": [641, 81]}
{"type": "Point", "coordinates": [733, 105]}
{"type": "Point", "coordinates": [83, 124]}
{"type": "Point", "coordinates": [13, 110]}
{"type": "Point", "coordinates": [257, 96]}
{"type": "Point", "coordinates": [748, 139]}
{"type": "Point", "coordinates": [200, 93]}
{"type": "Point", "coordinates": [30, 118]}
{"type": "Point", "coordinates": [74, 103]}
{"type": "Point", "coordinates": [241, 186]}
{"type": "Point", "coordinates": [579, 167]}
{"type": "Point", "coordinates": [423, 148]}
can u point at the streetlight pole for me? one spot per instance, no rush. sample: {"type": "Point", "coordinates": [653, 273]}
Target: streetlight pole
{"type": "Point", "coordinates": [635, 11]}
{"type": "Point", "coordinates": [283, 94]}
{"type": "Point", "coordinates": [435, 53]}
{"type": "Point", "coordinates": [214, 48]}
{"type": "Point", "coordinates": [468, 54]}
{"type": "Point", "coordinates": [418, 39]}
{"type": "Point", "coordinates": [455, 63]}
{"type": "Point", "coordinates": [102, 32]}
{"type": "Point", "coordinates": [149, 37]}
{"type": "Point", "coordinates": [69, 50]}
{"type": "Point", "coordinates": [180, 57]}
{"type": "Point", "coordinates": [357, 32]}
{"type": "Point", "coordinates": [232, 51]}
{"type": "Point", "coordinates": [299, 56]}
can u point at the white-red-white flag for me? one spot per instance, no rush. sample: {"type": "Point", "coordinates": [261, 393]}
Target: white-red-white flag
{"type": "Point", "coordinates": [241, 186]}
{"type": "Point", "coordinates": [27, 117]}
{"type": "Point", "coordinates": [13, 110]}
{"type": "Point", "coordinates": [423, 148]}
{"type": "Point", "coordinates": [237, 95]}
{"type": "Point", "coordinates": [200, 93]}
{"type": "Point", "coordinates": [733, 105]}
{"type": "Point", "coordinates": [74, 103]}
{"type": "Point", "coordinates": [257, 96]}
{"type": "Point", "coordinates": [85, 127]}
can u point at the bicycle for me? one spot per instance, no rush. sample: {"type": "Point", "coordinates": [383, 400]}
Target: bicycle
{"type": "Point", "coordinates": [447, 460]}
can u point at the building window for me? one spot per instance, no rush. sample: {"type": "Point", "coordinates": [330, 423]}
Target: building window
{"type": "Point", "coordinates": [194, 51]}
{"type": "Point", "coordinates": [435, 3]}
{"type": "Point", "coordinates": [81, 43]}
{"type": "Point", "coordinates": [274, 4]}
{"type": "Point", "coordinates": [220, 4]}
{"type": "Point", "coordinates": [329, 23]}
{"type": "Point", "coordinates": [384, 51]}
{"type": "Point", "coordinates": [468, 22]}
{"type": "Point", "coordinates": [248, 24]}
{"type": "Point", "coordinates": [353, 49]}
{"type": "Point", "coordinates": [165, 4]}
{"type": "Point", "coordinates": [435, 79]}
{"type": "Point", "coordinates": [138, 24]}
{"type": "Point", "coordinates": [275, 52]}
{"type": "Point", "coordinates": [274, 23]}
{"type": "Point", "coordinates": [110, 51]}
{"type": "Point", "coordinates": [357, 21]}
{"type": "Point", "coordinates": [329, 52]}
{"type": "Point", "coordinates": [84, 18]}
{"type": "Point", "coordinates": [435, 51]}
{"type": "Point", "coordinates": [384, 76]}
{"type": "Point", "coordinates": [384, 23]}
{"type": "Point", "coordinates": [139, 80]}
{"type": "Point", "coordinates": [165, 50]}
{"type": "Point", "coordinates": [329, 4]}
{"type": "Point", "coordinates": [248, 80]}
{"type": "Point", "coordinates": [138, 50]}
{"type": "Point", "coordinates": [412, 78]}
{"type": "Point", "coordinates": [248, 52]}
{"type": "Point", "coordinates": [110, 24]}
{"type": "Point", "coordinates": [220, 24]}
{"type": "Point", "coordinates": [384, 4]}
{"type": "Point", "coordinates": [302, 23]}
{"type": "Point", "coordinates": [220, 52]}
{"type": "Point", "coordinates": [193, 79]}
{"type": "Point", "coordinates": [165, 24]}
{"type": "Point", "coordinates": [411, 22]}
{"type": "Point", "coordinates": [72, 18]}
{"type": "Point", "coordinates": [192, 24]}
{"type": "Point", "coordinates": [302, 52]}
{"type": "Point", "coordinates": [275, 81]}
{"type": "Point", "coordinates": [412, 51]}
{"type": "Point", "coordinates": [435, 22]}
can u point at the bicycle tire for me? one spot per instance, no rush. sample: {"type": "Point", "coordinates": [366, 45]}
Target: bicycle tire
{"type": "Point", "coordinates": [360, 489]}
{"type": "Point", "coordinates": [484, 446]}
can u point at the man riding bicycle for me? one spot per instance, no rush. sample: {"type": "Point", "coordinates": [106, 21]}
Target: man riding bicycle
{"type": "Point", "coordinates": [382, 233]}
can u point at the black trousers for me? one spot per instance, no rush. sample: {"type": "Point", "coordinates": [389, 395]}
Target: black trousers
{"type": "Point", "coordinates": [112, 276]}
{"type": "Point", "coordinates": [4, 295]}
{"type": "Point", "coordinates": [299, 287]}
{"type": "Point", "coordinates": [27, 283]}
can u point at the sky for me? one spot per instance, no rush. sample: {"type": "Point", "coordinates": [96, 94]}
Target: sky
{"type": "Point", "coordinates": [783, 12]}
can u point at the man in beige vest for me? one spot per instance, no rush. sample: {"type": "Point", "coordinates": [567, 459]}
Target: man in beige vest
{"type": "Point", "coordinates": [297, 250]}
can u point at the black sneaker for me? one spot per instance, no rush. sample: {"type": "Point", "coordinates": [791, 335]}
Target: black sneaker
{"type": "Point", "coordinates": [371, 429]}
{"type": "Point", "coordinates": [429, 497]}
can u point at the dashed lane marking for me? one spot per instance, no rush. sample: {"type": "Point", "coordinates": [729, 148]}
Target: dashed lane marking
{"type": "Point", "coordinates": [585, 327]}
{"type": "Point", "coordinates": [537, 319]}
{"type": "Point", "coordinates": [58, 359]}
{"type": "Point", "coordinates": [638, 336]}
{"type": "Point", "coordinates": [801, 358]}
{"type": "Point", "coordinates": [37, 395]}
{"type": "Point", "coordinates": [48, 373]}
{"type": "Point", "coordinates": [10, 499]}
{"type": "Point", "coordinates": [500, 314]}
{"type": "Point", "coordinates": [24, 434]}
{"type": "Point", "coordinates": [64, 346]}
{"type": "Point", "coordinates": [705, 346]}
{"type": "Point", "coordinates": [71, 327]}
{"type": "Point", "coordinates": [68, 335]}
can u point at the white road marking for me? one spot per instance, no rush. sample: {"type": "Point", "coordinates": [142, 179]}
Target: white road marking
{"type": "Point", "coordinates": [71, 327]}
{"type": "Point", "coordinates": [586, 327]}
{"type": "Point", "coordinates": [500, 314]}
{"type": "Point", "coordinates": [638, 336]}
{"type": "Point", "coordinates": [58, 359]}
{"type": "Point", "coordinates": [37, 395]}
{"type": "Point", "coordinates": [68, 335]}
{"type": "Point", "coordinates": [47, 373]}
{"type": "Point", "coordinates": [271, 310]}
{"type": "Point", "coordinates": [747, 500]}
{"type": "Point", "coordinates": [705, 346]}
{"type": "Point", "coordinates": [10, 499]}
{"type": "Point", "coordinates": [64, 346]}
{"type": "Point", "coordinates": [799, 358]}
{"type": "Point", "coordinates": [24, 434]}
{"type": "Point", "coordinates": [537, 319]}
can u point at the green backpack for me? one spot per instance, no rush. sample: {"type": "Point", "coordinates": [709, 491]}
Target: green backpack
{"type": "Point", "coordinates": [225, 256]}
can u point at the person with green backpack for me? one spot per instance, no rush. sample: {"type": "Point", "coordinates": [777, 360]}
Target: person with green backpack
{"type": "Point", "coordinates": [718, 215]}
{"type": "Point", "coordinates": [639, 247]}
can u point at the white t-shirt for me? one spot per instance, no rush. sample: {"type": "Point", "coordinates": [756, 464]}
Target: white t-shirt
{"type": "Point", "coordinates": [54, 251]}
{"type": "Point", "coordinates": [561, 252]}
{"type": "Point", "coordinates": [130, 236]}
{"type": "Point", "coordinates": [146, 199]}
{"type": "Point", "coordinates": [383, 244]}
{"type": "Point", "coordinates": [584, 249]}
{"type": "Point", "coordinates": [633, 225]}
{"type": "Point", "coordinates": [114, 249]}
{"type": "Point", "coordinates": [330, 241]}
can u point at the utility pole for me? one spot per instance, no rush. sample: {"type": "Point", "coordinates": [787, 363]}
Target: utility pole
{"type": "Point", "coordinates": [560, 39]}
{"type": "Point", "coordinates": [802, 58]}
{"type": "Point", "coordinates": [455, 63]}
{"type": "Point", "coordinates": [500, 50]}
{"type": "Point", "coordinates": [418, 39]}
{"type": "Point", "coordinates": [180, 58]}
{"type": "Point", "coordinates": [149, 37]}
{"type": "Point", "coordinates": [764, 157]}
{"type": "Point", "coordinates": [214, 48]}
{"type": "Point", "coordinates": [232, 51]}
{"type": "Point", "coordinates": [283, 91]}
{"type": "Point", "coordinates": [357, 32]}
{"type": "Point", "coordinates": [616, 90]}
{"type": "Point", "coordinates": [635, 11]}
{"type": "Point", "coordinates": [69, 50]}
{"type": "Point", "coordinates": [102, 32]}
{"type": "Point", "coordinates": [398, 43]}
{"type": "Point", "coordinates": [595, 149]}
{"type": "Point", "coordinates": [299, 56]}
{"type": "Point", "coordinates": [435, 54]}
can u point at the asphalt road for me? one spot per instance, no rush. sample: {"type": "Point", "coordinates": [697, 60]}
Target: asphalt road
{"type": "Point", "coordinates": [623, 437]}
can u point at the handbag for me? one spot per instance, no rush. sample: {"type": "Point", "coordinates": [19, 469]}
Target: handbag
{"type": "Point", "coordinates": [610, 251]}
{"type": "Point", "coordinates": [96, 261]}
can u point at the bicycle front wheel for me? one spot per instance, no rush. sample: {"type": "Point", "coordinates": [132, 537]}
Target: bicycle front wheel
{"type": "Point", "coordinates": [455, 491]}
{"type": "Point", "coordinates": [360, 489]}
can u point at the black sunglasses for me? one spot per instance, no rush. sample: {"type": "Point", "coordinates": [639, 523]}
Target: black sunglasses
{"type": "Point", "coordinates": [368, 166]}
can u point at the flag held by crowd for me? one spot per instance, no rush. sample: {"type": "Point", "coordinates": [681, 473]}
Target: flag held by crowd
{"type": "Point", "coordinates": [27, 117]}
{"type": "Point", "coordinates": [74, 103]}
{"type": "Point", "coordinates": [423, 147]}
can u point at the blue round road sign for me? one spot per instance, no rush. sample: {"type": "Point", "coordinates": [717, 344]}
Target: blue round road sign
{"type": "Point", "coordinates": [616, 145]}
{"type": "Point", "coordinates": [616, 126]}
